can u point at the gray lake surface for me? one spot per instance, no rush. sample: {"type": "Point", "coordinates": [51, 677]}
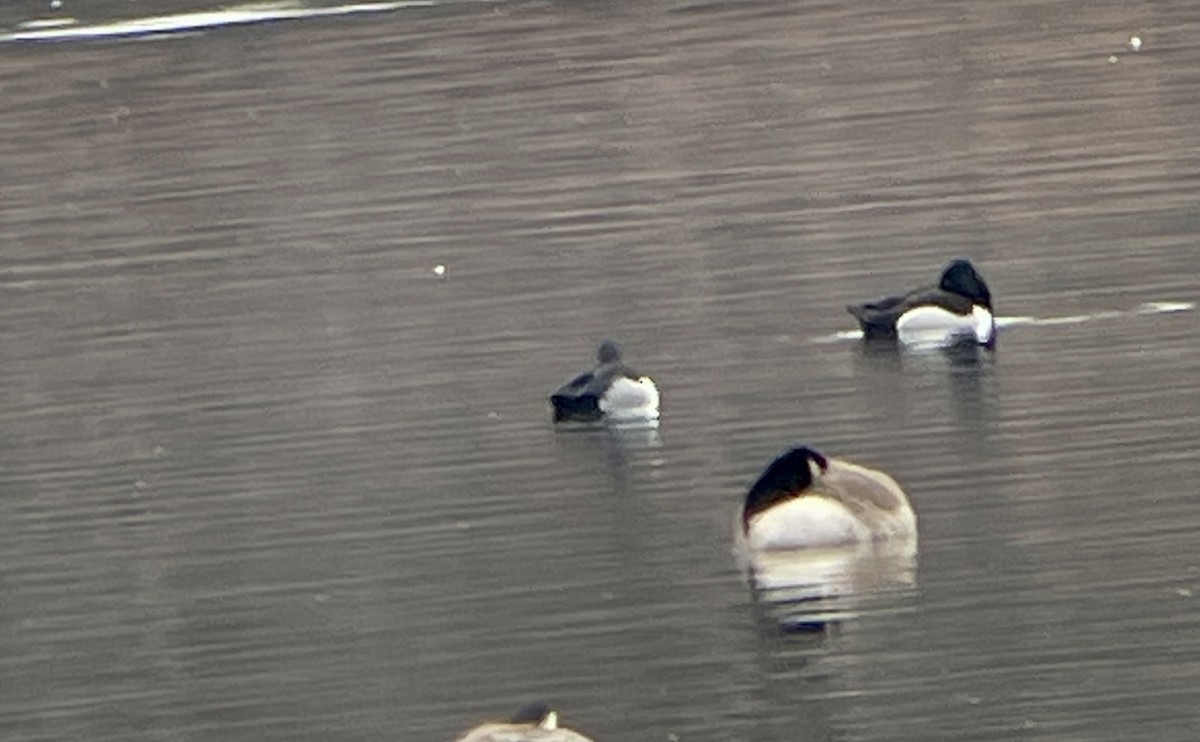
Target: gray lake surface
{"type": "Point", "coordinates": [264, 475]}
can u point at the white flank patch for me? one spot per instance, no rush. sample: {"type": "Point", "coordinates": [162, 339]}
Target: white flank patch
{"type": "Point", "coordinates": [630, 400]}
{"type": "Point", "coordinates": [985, 324]}
{"type": "Point", "coordinates": [933, 327]}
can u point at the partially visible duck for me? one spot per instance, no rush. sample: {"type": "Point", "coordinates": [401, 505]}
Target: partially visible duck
{"type": "Point", "coordinates": [611, 391]}
{"type": "Point", "coordinates": [958, 307]}
{"type": "Point", "coordinates": [806, 500]}
{"type": "Point", "coordinates": [532, 723]}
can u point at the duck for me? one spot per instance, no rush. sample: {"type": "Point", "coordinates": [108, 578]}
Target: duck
{"type": "Point", "coordinates": [807, 500]}
{"type": "Point", "coordinates": [610, 391]}
{"type": "Point", "coordinates": [534, 722]}
{"type": "Point", "coordinates": [957, 308]}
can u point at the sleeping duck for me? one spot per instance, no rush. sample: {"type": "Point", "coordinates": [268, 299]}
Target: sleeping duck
{"type": "Point", "coordinates": [532, 723]}
{"type": "Point", "coordinates": [610, 391]}
{"type": "Point", "coordinates": [806, 500]}
{"type": "Point", "coordinates": [958, 307]}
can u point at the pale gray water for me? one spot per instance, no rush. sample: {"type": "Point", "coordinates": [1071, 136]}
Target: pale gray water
{"type": "Point", "coordinates": [264, 476]}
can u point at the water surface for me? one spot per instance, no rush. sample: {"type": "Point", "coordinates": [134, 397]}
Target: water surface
{"type": "Point", "coordinates": [264, 475]}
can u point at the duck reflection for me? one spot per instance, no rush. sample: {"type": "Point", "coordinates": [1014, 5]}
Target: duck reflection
{"type": "Point", "coordinates": [617, 448]}
{"type": "Point", "coordinates": [892, 380]}
{"type": "Point", "coordinates": [618, 441]}
{"type": "Point", "coordinates": [952, 355]}
{"type": "Point", "coordinates": [813, 591]}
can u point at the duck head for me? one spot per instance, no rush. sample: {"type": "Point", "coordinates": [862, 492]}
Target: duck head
{"type": "Point", "coordinates": [786, 477]}
{"type": "Point", "coordinates": [608, 352]}
{"type": "Point", "coordinates": [960, 277]}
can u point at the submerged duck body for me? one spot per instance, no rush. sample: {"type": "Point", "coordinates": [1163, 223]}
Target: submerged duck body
{"type": "Point", "coordinates": [805, 500]}
{"type": "Point", "coordinates": [958, 307]}
{"type": "Point", "coordinates": [532, 723]}
{"type": "Point", "coordinates": [610, 391]}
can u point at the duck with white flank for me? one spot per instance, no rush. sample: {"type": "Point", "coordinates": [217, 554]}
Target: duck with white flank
{"type": "Point", "coordinates": [532, 723]}
{"type": "Point", "coordinates": [610, 391]}
{"type": "Point", "coordinates": [805, 500]}
{"type": "Point", "coordinates": [958, 307]}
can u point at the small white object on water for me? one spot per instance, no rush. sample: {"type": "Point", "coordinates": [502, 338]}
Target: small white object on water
{"type": "Point", "coordinates": [55, 4]}
{"type": "Point", "coordinates": [439, 270]}
{"type": "Point", "coordinates": [1112, 59]}
{"type": "Point", "coordinates": [1135, 43]}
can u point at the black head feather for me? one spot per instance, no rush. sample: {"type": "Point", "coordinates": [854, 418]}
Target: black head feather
{"type": "Point", "coordinates": [960, 277]}
{"type": "Point", "coordinates": [530, 713]}
{"type": "Point", "coordinates": [786, 477]}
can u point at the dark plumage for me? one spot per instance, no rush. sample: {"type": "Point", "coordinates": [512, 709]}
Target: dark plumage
{"type": "Point", "coordinates": [582, 397]}
{"type": "Point", "coordinates": [788, 476]}
{"type": "Point", "coordinates": [531, 713]}
{"type": "Point", "coordinates": [959, 290]}
{"type": "Point", "coordinates": [805, 499]}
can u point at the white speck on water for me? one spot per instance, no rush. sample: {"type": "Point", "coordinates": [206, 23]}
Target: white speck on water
{"type": "Point", "coordinates": [1135, 42]}
{"type": "Point", "coordinates": [55, 4]}
{"type": "Point", "coordinates": [439, 270]}
{"type": "Point", "coordinates": [1183, 592]}
{"type": "Point", "coordinates": [1112, 59]}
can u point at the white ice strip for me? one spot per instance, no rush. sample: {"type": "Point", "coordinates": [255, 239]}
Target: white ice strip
{"type": "Point", "coordinates": [1003, 323]}
{"type": "Point", "coordinates": [182, 22]}
{"type": "Point", "coordinates": [1165, 307]}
